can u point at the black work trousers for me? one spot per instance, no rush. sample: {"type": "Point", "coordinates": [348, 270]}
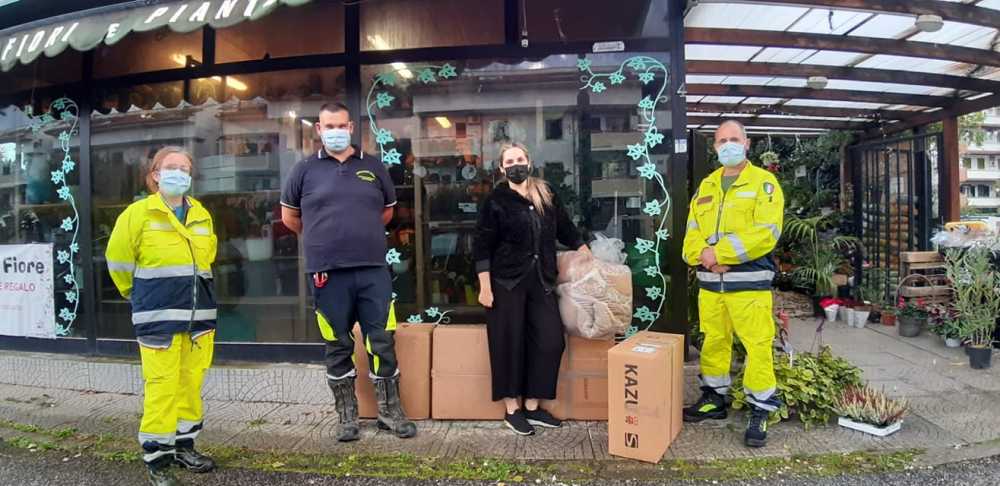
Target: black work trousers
{"type": "Point", "coordinates": [362, 295]}
{"type": "Point", "coordinates": [526, 340]}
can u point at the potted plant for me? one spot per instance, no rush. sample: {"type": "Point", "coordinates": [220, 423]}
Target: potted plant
{"type": "Point", "coordinates": [912, 317]}
{"type": "Point", "coordinates": [944, 322]}
{"type": "Point", "coordinates": [976, 301]}
{"type": "Point", "coordinates": [822, 256]}
{"type": "Point", "coordinates": [867, 410]}
{"type": "Point", "coordinates": [889, 313]}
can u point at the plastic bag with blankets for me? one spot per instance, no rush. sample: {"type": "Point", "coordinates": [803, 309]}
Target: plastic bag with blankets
{"type": "Point", "coordinates": [595, 297]}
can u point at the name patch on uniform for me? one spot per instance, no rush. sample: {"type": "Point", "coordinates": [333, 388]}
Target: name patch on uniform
{"type": "Point", "coordinates": [768, 188]}
{"type": "Point", "coordinates": [705, 200]}
{"type": "Point", "coordinates": [365, 175]}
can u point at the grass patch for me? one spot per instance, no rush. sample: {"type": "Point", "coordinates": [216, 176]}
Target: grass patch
{"type": "Point", "coordinates": [257, 423]}
{"type": "Point", "coordinates": [111, 448]}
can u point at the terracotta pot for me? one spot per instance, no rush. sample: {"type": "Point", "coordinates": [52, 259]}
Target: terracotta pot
{"type": "Point", "coordinates": [888, 319]}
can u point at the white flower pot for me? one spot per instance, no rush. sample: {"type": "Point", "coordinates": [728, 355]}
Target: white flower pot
{"type": "Point", "coordinates": [846, 315]}
{"type": "Point", "coordinates": [868, 428]}
{"type": "Point", "coordinates": [953, 342]}
{"type": "Point", "coordinates": [831, 313]}
{"type": "Point", "coordinates": [861, 318]}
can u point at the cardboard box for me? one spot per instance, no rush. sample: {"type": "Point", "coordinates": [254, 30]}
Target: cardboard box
{"type": "Point", "coordinates": [461, 383]}
{"type": "Point", "coordinates": [645, 394]}
{"type": "Point", "coordinates": [413, 351]}
{"type": "Point", "coordinates": [582, 393]}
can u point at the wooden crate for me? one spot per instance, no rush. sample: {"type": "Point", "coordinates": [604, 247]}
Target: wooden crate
{"type": "Point", "coordinates": [922, 256]}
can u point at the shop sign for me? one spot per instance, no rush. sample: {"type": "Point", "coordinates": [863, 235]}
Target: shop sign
{"type": "Point", "coordinates": [26, 291]}
{"type": "Point", "coordinates": [87, 32]}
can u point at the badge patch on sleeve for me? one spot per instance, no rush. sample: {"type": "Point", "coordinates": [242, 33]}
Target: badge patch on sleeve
{"type": "Point", "coordinates": [768, 188]}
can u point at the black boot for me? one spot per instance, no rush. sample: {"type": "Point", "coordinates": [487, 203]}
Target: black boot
{"type": "Point", "coordinates": [191, 459]}
{"type": "Point", "coordinates": [756, 434]}
{"type": "Point", "coordinates": [390, 410]}
{"type": "Point", "coordinates": [711, 405]}
{"type": "Point", "coordinates": [346, 403]}
{"type": "Point", "coordinates": [160, 473]}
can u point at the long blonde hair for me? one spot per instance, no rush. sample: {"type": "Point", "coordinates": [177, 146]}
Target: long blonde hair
{"type": "Point", "coordinates": [538, 191]}
{"type": "Point", "coordinates": [154, 165]}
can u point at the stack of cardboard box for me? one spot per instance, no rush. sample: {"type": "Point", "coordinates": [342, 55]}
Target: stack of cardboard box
{"type": "Point", "coordinates": [582, 393]}
{"type": "Point", "coordinates": [413, 352]}
{"type": "Point", "coordinates": [460, 375]}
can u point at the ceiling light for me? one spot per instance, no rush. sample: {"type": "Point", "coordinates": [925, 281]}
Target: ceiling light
{"type": "Point", "coordinates": [929, 23]}
{"type": "Point", "coordinates": [817, 82]}
{"type": "Point", "coordinates": [443, 121]}
{"type": "Point", "coordinates": [306, 122]}
{"type": "Point", "coordinates": [233, 83]}
{"type": "Point", "coordinates": [292, 114]}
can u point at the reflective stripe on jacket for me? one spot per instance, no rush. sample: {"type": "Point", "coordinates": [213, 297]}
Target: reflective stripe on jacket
{"type": "Point", "coordinates": [743, 225]}
{"type": "Point", "coordinates": [164, 267]}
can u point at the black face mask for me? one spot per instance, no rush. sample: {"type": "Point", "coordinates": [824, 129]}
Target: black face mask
{"type": "Point", "coordinates": [518, 173]}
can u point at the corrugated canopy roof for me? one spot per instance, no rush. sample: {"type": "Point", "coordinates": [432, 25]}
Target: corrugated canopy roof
{"type": "Point", "coordinates": [751, 59]}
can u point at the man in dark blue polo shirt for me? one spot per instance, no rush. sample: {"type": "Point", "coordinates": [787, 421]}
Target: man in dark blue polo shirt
{"type": "Point", "coordinates": [340, 200]}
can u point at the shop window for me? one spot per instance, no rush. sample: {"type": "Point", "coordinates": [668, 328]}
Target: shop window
{"type": "Point", "coordinates": [447, 128]}
{"type": "Point", "coordinates": [148, 51]}
{"type": "Point", "coordinates": [561, 20]}
{"type": "Point", "coordinates": [316, 28]}
{"type": "Point", "coordinates": [244, 147]}
{"type": "Point", "coordinates": [407, 24]}
{"type": "Point", "coordinates": [141, 97]}
{"type": "Point", "coordinates": [39, 177]}
{"type": "Point", "coordinates": [44, 71]}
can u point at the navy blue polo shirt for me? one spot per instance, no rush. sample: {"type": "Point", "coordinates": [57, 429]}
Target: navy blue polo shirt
{"type": "Point", "coordinates": [341, 205]}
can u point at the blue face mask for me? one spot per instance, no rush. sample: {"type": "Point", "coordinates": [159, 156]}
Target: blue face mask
{"type": "Point", "coordinates": [174, 182]}
{"type": "Point", "coordinates": [732, 154]}
{"type": "Point", "coordinates": [336, 139]}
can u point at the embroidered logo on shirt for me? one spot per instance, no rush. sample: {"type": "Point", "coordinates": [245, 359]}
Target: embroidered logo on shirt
{"type": "Point", "coordinates": [365, 175]}
{"type": "Point", "coordinates": [768, 188]}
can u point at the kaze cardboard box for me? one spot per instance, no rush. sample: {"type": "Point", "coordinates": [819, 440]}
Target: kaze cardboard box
{"type": "Point", "coordinates": [413, 352]}
{"type": "Point", "coordinates": [645, 393]}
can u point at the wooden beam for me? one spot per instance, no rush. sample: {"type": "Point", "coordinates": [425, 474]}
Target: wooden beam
{"type": "Point", "coordinates": [955, 12]}
{"type": "Point", "coordinates": [781, 122]}
{"type": "Point", "coordinates": [798, 110]}
{"type": "Point", "coordinates": [747, 90]}
{"type": "Point", "coordinates": [866, 45]}
{"type": "Point", "coordinates": [954, 110]}
{"type": "Point", "coordinates": [738, 68]}
{"type": "Point", "coordinates": [949, 172]}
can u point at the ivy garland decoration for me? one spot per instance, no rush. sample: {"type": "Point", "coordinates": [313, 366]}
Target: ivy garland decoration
{"type": "Point", "coordinates": [644, 68]}
{"type": "Point", "coordinates": [379, 98]}
{"type": "Point", "coordinates": [66, 111]}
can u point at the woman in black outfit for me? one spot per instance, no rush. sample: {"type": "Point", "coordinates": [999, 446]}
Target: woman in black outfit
{"type": "Point", "coordinates": [515, 254]}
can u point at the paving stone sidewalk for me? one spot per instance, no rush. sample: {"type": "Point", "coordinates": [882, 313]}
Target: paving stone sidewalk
{"type": "Point", "coordinates": [287, 407]}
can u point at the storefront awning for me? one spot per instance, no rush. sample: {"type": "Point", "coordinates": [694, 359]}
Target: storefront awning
{"type": "Point", "coordinates": [87, 30]}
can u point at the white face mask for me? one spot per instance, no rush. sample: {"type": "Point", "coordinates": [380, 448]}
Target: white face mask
{"type": "Point", "coordinates": [731, 154]}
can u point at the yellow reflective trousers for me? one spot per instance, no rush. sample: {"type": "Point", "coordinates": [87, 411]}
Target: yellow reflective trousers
{"type": "Point", "coordinates": [172, 406]}
{"type": "Point", "coordinates": [749, 315]}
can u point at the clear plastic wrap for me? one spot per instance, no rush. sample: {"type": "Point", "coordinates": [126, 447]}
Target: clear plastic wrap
{"type": "Point", "coordinates": [595, 297]}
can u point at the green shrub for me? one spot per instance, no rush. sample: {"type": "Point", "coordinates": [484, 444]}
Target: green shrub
{"type": "Point", "coordinates": [808, 388]}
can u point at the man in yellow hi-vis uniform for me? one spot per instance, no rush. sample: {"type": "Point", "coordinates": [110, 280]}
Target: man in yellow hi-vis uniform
{"type": "Point", "coordinates": [733, 226]}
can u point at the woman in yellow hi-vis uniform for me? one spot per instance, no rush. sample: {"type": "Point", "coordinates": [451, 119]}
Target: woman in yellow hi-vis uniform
{"type": "Point", "coordinates": [733, 226]}
{"type": "Point", "coordinates": [160, 257]}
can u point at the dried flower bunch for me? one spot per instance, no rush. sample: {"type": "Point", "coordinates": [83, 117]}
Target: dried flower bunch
{"type": "Point", "coordinates": [868, 405]}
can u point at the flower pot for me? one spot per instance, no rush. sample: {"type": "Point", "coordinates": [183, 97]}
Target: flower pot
{"type": "Point", "coordinates": [861, 318]}
{"type": "Point", "coordinates": [888, 319]}
{"type": "Point", "coordinates": [952, 342]}
{"type": "Point", "coordinates": [875, 317]}
{"type": "Point", "coordinates": [979, 358]}
{"type": "Point", "coordinates": [848, 315]}
{"type": "Point", "coordinates": [868, 428]}
{"type": "Point", "coordinates": [831, 313]}
{"type": "Point", "coordinates": [910, 326]}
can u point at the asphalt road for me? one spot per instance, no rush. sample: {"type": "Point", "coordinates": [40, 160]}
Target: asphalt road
{"type": "Point", "coordinates": [24, 468]}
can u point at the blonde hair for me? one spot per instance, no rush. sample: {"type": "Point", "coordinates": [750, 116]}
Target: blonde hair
{"type": "Point", "coordinates": [538, 191]}
{"type": "Point", "coordinates": [154, 165]}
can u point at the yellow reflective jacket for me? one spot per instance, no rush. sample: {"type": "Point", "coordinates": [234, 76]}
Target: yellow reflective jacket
{"type": "Point", "coordinates": [164, 267]}
{"type": "Point", "coordinates": [743, 225]}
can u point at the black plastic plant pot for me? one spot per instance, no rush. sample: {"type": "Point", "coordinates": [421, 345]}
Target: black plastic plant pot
{"type": "Point", "coordinates": [979, 358]}
{"type": "Point", "coordinates": [875, 317]}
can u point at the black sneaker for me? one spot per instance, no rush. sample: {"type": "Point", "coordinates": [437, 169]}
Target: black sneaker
{"type": "Point", "coordinates": [539, 417]}
{"type": "Point", "coordinates": [161, 475]}
{"type": "Point", "coordinates": [756, 435]}
{"type": "Point", "coordinates": [518, 423]}
{"type": "Point", "coordinates": [711, 405]}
